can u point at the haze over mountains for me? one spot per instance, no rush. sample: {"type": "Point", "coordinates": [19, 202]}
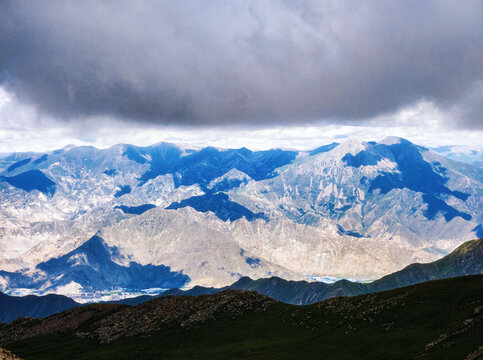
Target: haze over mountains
{"type": "Point", "coordinates": [187, 216]}
{"type": "Point", "coordinates": [461, 153]}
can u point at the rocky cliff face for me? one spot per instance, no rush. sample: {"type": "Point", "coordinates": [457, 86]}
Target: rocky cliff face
{"type": "Point", "coordinates": [355, 210]}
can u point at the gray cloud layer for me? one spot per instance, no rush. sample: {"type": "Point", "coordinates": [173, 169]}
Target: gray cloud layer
{"type": "Point", "coordinates": [222, 62]}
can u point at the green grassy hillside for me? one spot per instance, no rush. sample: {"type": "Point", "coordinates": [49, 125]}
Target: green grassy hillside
{"type": "Point", "coordinates": [434, 320]}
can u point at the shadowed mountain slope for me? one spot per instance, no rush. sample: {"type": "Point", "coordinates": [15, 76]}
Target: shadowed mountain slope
{"type": "Point", "coordinates": [13, 307]}
{"type": "Point", "coordinates": [92, 267]}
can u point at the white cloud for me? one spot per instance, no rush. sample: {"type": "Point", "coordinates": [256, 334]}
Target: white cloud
{"type": "Point", "coordinates": [23, 128]}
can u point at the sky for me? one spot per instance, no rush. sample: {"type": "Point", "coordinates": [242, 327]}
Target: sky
{"type": "Point", "coordinates": [259, 74]}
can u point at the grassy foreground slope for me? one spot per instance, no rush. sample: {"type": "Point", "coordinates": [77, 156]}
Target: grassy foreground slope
{"type": "Point", "coordinates": [434, 320]}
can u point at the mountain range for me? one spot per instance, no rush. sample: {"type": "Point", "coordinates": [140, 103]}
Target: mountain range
{"type": "Point", "coordinates": [87, 222]}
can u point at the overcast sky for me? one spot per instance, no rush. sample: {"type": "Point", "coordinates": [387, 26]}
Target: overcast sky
{"type": "Point", "coordinates": [259, 74]}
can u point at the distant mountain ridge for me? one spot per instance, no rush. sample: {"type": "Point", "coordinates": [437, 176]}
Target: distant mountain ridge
{"type": "Point", "coordinates": [461, 153]}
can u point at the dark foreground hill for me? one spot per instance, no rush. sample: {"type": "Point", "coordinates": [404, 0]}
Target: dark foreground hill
{"type": "Point", "coordinates": [434, 320]}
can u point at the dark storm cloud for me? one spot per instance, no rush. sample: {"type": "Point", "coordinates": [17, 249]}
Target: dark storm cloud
{"type": "Point", "coordinates": [222, 62]}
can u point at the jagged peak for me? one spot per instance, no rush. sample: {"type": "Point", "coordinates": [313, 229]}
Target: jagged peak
{"type": "Point", "coordinates": [352, 146]}
{"type": "Point", "coordinates": [231, 174]}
